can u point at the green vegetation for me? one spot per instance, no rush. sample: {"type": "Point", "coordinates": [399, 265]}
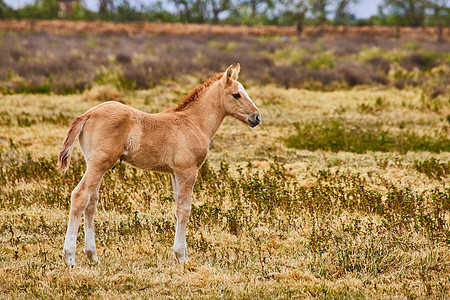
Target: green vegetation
{"type": "Point", "coordinates": [433, 168]}
{"type": "Point", "coordinates": [258, 198]}
{"type": "Point", "coordinates": [359, 137]}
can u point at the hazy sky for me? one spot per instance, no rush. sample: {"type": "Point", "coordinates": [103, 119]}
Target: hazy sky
{"type": "Point", "coordinates": [364, 9]}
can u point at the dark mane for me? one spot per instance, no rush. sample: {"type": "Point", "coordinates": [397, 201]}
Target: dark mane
{"type": "Point", "coordinates": [196, 91]}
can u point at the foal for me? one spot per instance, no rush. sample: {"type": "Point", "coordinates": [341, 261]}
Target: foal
{"type": "Point", "coordinates": [174, 141]}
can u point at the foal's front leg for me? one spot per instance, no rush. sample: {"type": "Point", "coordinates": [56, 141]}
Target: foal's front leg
{"type": "Point", "coordinates": [183, 184]}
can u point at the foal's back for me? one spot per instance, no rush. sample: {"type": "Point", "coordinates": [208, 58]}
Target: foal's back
{"type": "Point", "coordinates": [116, 131]}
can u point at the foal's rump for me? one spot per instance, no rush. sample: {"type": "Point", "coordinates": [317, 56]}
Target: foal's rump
{"type": "Point", "coordinates": [102, 131]}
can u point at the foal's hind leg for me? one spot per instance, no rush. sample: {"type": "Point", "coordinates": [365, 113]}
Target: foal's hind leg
{"type": "Point", "coordinates": [79, 201]}
{"type": "Point", "coordinates": [89, 236]}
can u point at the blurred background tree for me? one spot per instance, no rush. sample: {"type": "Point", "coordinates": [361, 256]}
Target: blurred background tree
{"type": "Point", "coordinates": [5, 10]}
{"type": "Point", "coordinates": [291, 12]}
{"type": "Point", "coordinates": [319, 9]}
{"type": "Point", "coordinates": [247, 12]}
{"type": "Point", "coordinates": [218, 6]}
{"type": "Point", "coordinates": [343, 15]}
{"type": "Point", "coordinates": [406, 12]}
{"type": "Point", "coordinates": [440, 13]}
{"type": "Point", "coordinates": [40, 9]}
{"type": "Point", "coordinates": [414, 12]}
{"type": "Point", "coordinates": [106, 9]}
{"type": "Point", "coordinates": [255, 4]}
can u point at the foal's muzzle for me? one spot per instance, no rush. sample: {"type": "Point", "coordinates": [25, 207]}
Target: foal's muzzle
{"type": "Point", "coordinates": [254, 119]}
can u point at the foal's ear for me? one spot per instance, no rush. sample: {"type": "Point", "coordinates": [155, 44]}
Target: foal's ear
{"type": "Point", "coordinates": [226, 78]}
{"type": "Point", "coordinates": [235, 74]}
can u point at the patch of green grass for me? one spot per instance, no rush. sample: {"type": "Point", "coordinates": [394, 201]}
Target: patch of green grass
{"type": "Point", "coordinates": [433, 168]}
{"type": "Point", "coordinates": [27, 120]}
{"type": "Point", "coordinates": [336, 135]}
{"type": "Point", "coordinates": [411, 45]}
{"type": "Point", "coordinates": [322, 61]}
{"type": "Point", "coordinates": [30, 88]}
{"type": "Point", "coordinates": [289, 55]}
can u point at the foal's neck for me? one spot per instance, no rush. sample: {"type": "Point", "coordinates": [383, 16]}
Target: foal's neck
{"type": "Point", "coordinates": [207, 112]}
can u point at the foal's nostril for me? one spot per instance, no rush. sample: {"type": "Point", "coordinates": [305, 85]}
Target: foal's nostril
{"type": "Point", "coordinates": [254, 120]}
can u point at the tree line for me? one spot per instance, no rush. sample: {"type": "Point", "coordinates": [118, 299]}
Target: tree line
{"type": "Point", "coordinates": [246, 12]}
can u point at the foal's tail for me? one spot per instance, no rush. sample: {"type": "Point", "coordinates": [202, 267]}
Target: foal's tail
{"type": "Point", "coordinates": [69, 142]}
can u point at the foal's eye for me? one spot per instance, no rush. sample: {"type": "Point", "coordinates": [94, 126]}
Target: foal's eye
{"type": "Point", "coordinates": [236, 96]}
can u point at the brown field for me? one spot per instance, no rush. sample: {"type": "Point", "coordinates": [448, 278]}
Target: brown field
{"type": "Point", "coordinates": [103, 27]}
{"type": "Point", "coordinates": [341, 193]}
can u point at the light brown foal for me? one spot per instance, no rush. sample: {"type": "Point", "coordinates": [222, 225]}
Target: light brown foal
{"type": "Point", "coordinates": [174, 141]}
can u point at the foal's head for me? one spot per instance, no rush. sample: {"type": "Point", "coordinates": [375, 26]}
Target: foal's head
{"type": "Point", "coordinates": [236, 101]}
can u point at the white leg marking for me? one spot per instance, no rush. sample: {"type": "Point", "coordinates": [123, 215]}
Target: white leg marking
{"type": "Point", "coordinates": [179, 245]}
{"type": "Point", "coordinates": [70, 242]}
{"type": "Point", "coordinates": [184, 185]}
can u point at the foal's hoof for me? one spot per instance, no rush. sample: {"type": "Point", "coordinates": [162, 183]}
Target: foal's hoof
{"type": "Point", "coordinates": [69, 258]}
{"type": "Point", "coordinates": [181, 255]}
{"type": "Point", "coordinates": [92, 257]}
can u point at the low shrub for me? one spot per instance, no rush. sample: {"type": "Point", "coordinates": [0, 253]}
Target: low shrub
{"type": "Point", "coordinates": [418, 60]}
{"type": "Point", "coordinates": [138, 75]}
{"type": "Point", "coordinates": [379, 79]}
{"type": "Point", "coordinates": [287, 76]}
{"type": "Point", "coordinates": [354, 73]}
{"type": "Point", "coordinates": [324, 77]}
{"type": "Point", "coordinates": [123, 58]}
{"type": "Point", "coordinates": [380, 63]}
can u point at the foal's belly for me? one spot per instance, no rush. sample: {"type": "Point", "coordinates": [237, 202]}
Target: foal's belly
{"type": "Point", "coordinates": [148, 165]}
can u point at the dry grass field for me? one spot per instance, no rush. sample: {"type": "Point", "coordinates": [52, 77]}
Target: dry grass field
{"type": "Point", "coordinates": [341, 193]}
